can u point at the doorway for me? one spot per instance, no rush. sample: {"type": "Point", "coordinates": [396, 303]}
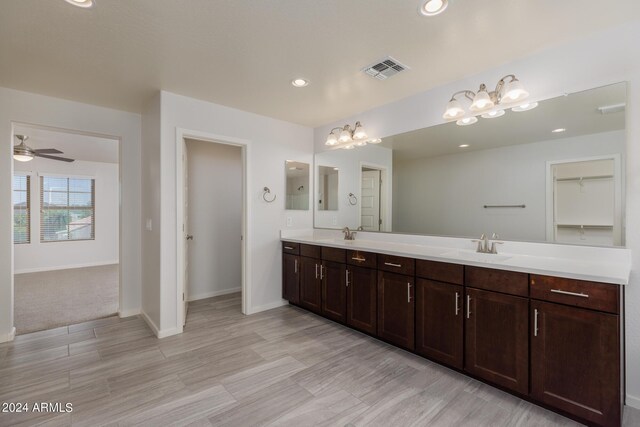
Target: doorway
{"type": "Point", "coordinates": [66, 228]}
{"type": "Point", "coordinates": [374, 210]}
{"type": "Point", "coordinates": [212, 210]}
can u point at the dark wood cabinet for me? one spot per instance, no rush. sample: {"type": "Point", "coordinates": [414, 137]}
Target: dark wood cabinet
{"type": "Point", "coordinates": [291, 278]}
{"type": "Point", "coordinates": [497, 338]}
{"type": "Point", "coordinates": [362, 291]}
{"type": "Point", "coordinates": [575, 361]}
{"type": "Point", "coordinates": [334, 291]}
{"type": "Point", "coordinates": [439, 321]}
{"type": "Point", "coordinates": [310, 284]}
{"type": "Point", "coordinates": [396, 309]}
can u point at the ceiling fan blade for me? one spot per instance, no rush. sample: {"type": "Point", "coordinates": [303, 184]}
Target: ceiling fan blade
{"type": "Point", "coordinates": [48, 151]}
{"type": "Point", "coordinates": [62, 159]}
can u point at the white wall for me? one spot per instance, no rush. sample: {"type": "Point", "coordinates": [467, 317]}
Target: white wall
{"type": "Point", "coordinates": [604, 58]}
{"type": "Point", "coordinates": [271, 142]}
{"type": "Point", "coordinates": [23, 107]}
{"type": "Point", "coordinates": [445, 195]}
{"type": "Point", "coordinates": [37, 256]}
{"type": "Point", "coordinates": [215, 219]}
{"type": "Point", "coordinates": [349, 164]}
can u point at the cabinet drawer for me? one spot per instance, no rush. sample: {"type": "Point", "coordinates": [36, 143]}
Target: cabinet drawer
{"type": "Point", "coordinates": [310, 251]}
{"type": "Point", "coordinates": [440, 271]}
{"type": "Point", "coordinates": [291, 248]}
{"type": "Point", "coordinates": [508, 282]}
{"type": "Point", "coordinates": [334, 254]}
{"type": "Point", "coordinates": [596, 296]}
{"type": "Point", "coordinates": [397, 264]}
{"type": "Point", "coordinates": [361, 259]}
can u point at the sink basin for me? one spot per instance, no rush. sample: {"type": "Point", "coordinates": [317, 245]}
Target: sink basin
{"type": "Point", "coordinates": [476, 256]}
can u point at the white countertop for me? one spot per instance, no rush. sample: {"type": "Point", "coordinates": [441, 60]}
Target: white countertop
{"type": "Point", "coordinates": [606, 265]}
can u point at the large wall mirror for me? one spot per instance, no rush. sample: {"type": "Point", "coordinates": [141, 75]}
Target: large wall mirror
{"type": "Point", "coordinates": [551, 174]}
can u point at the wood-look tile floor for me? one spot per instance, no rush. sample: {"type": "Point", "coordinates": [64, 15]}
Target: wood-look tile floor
{"type": "Point", "coordinates": [283, 367]}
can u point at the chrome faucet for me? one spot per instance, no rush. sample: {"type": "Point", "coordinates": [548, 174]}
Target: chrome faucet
{"type": "Point", "coordinates": [483, 244]}
{"type": "Point", "coordinates": [348, 234]}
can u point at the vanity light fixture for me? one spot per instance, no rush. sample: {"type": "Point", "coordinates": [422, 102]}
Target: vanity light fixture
{"type": "Point", "coordinates": [432, 7]}
{"type": "Point", "coordinates": [300, 82]}
{"type": "Point", "coordinates": [508, 91]}
{"type": "Point", "coordinates": [85, 4]}
{"type": "Point", "coordinates": [348, 138]}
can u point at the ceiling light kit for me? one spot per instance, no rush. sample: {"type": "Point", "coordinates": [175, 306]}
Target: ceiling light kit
{"type": "Point", "coordinates": [23, 153]}
{"type": "Point", "coordinates": [347, 138]}
{"type": "Point", "coordinates": [85, 4]}
{"type": "Point", "coordinates": [432, 7]}
{"type": "Point", "coordinates": [300, 82]}
{"type": "Point", "coordinates": [487, 104]}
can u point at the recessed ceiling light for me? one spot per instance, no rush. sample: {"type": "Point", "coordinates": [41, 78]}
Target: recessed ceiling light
{"type": "Point", "coordinates": [463, 145]}
{"type": "Point", "coordinates": [432, 7]}
{"type": "Point", "coordinates": [559, 130]}
{"type": "Point", "coordinates": [299, 82]}
{"type": "Point", "coordinates": [85, 4]}
{"type": "Point", "coordinates": [525, 107]}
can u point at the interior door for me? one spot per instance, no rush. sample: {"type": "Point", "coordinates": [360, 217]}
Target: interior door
{"type": "Point", "coordinates": [185, 227]}
{"type": "Point", "coordinates": [370, 203]}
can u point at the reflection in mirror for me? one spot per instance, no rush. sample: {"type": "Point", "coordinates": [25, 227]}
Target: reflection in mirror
{"type": "Point", "coordinates": [554, 174]}
{"type": "Point", "coordinates": [327, 188]}
{"type": "Point", "coordinates": [297, 186]}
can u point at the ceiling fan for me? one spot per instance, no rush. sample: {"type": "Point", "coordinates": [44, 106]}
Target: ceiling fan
{"type": "Point", "coordinates": [23, 153]}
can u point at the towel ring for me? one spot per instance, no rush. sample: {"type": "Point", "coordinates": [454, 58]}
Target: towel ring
{"type": "Point", "coordinates": [264, 195]}
{"type": "Point", "coordinates": [353, 200]}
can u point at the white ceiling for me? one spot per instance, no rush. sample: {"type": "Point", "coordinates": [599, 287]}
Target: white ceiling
{"type": "Point", "coordinates": [577, 113]}
{"type": "Point", "coordinates": [243, 53]}
{"type": "Point", "coordinates": [73, 145]}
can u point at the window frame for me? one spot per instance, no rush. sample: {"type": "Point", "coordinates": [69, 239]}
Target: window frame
{"type": "Point", "coordinates": [17, 174]}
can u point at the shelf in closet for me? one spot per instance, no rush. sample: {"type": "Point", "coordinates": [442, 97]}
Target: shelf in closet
{"type": "Point", "coordinates": [591, 226]}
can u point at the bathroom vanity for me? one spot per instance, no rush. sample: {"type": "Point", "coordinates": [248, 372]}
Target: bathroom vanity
{"type": "Point", "coordinates": [547, 330]}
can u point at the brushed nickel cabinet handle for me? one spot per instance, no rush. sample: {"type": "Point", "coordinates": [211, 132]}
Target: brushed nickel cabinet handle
{"type": "Point", "coordinates": [321, 271]}
{"type": "Point", "coordinates": [535, 322]}
{"type": "Point", "coordinates": [346, 276]}
{"type": "Point", "coordinates": [288, 247]}
{"type": "Point", "coordinates": [573, 294]}
{"type": "Point", "coordinates": [359, 259]}
{"type": "Point", "coordinates": [409, 292]}
{"type": "Point", "coordinates": [390, 264]}
{"type": "Point", "coordinates": [296, 266]}
{"type": "Point", "coordinates": [316, 270]}
{"type": "Point", "coordinates": [468, 306]}
{"type": "Point", "coordinates": [457, 303]}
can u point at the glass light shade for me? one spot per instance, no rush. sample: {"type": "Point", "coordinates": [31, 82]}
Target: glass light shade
{"type": "Point", "coordinates": [514, 91]}
{"type": "Point", "coordinates": [359, 132]}
{"type": "Point", "coordinates": [525, 107]}
{"type": "Point", "coordinates": [332, 139]}
{"type": "Point", "coordinates": [345, 135]}
{"type": "Point", "coordinates": [361, 143]}
{"type": "Point", "coordinates": [453, 111]}
{"type": "Point", "coordinates": [467, 121]}
{"type": "Point", "coordinates": [493, 114]}
{"type": "Point", "coordinates": [375, 141]}
{"type": "Point", "coordinates": [22, 157]}
{"type": "Point", "coordinates": [81, 3]}
{"type": "Point", "coordinates": [482, 101]}
{"type": "Point", "coordinates": [433, 7]}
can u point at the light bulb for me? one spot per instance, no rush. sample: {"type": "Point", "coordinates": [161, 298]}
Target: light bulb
{"type": "Point", "coordinates": [453, 111]}
{"type": "Point", "coordinates": [493, 114]}
{"type": "Point", "coordinates": [359, 132]}
{"type": "Point", "coordinates": [514, 91]}
{"type": "Point", "coordinates": [482, 100]}
{"type": "Point", "coordinates": [332, 139]}
{"type": "Point", "coordinates": [467, 121]}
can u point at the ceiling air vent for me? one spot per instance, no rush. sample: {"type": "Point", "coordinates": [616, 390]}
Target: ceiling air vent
{"type": "Point", "coordinates": [385, 68]}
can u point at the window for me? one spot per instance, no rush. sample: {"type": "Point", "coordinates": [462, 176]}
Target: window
{"type": "Point", "coordinates": [21, 209]}
{"type": "Point", "coordinates": [67, 209]}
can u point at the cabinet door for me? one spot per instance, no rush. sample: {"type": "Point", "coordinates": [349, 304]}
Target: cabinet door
{"type": "Point", "coordinates": [310, 284]}
{"type": "Point", "coordinates": [362, 287]}
{"type": "Point", "coordinates": [334, 291]}
{"type": "Point", "coordinates": [497, 338]}
{"type": "Point", "coordinates": [439, 321]}
{"type": "Point", "coordinates": [396, 309]}
{"type": "Point", "coordinates": [575, 361]}
{"type": "Point", "coordinates": [291, 278]}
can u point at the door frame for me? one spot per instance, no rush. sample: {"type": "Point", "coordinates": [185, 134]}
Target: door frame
{"type": "Point", "coordinates": [385, 193]}
{"type": "Point", "coordinates": [618, 229]}
{"type": "Point", "coordinates": [245, 262]}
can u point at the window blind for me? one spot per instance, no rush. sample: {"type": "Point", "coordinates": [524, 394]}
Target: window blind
{"type": "Point", "coordinates": [21, 209]}
{"type": "Point", "coordinates": [67, 209]}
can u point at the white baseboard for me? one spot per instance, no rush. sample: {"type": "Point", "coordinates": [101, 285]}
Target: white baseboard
{"type": "Point", "coordinates": [633, 401]}
{"type": "Point", "coordinates": [8, 337]}
{"type": "Point", "coordinates": [204, 295]}
{"type": "Point", "coordinates": [275, 304]}
{"type": "Point", "coordinates": [160, 333]}
{"type": "Point", "coordinates": [64, 267]}
{"type": "Point", "coordinates": [128, 313]}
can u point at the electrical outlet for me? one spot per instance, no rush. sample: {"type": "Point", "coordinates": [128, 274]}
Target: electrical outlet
{"type": "Point", "coordinates": [289, 221]}
{"type": "Point", "coordinates": [334, 221]}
